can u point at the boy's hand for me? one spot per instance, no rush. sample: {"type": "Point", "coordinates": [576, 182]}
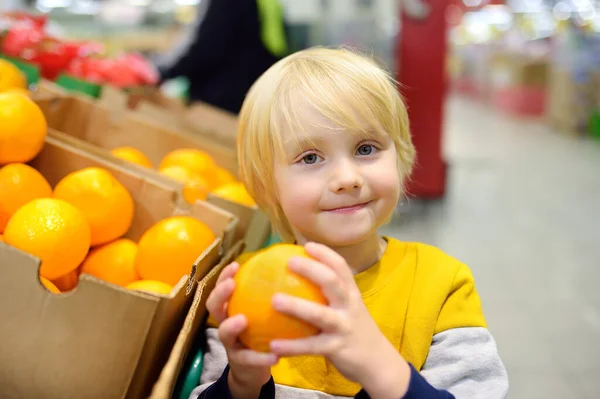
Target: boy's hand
{"type": "Point", "coordinates": [349, 336]}
{"type": "Point", "coordinates": [248, 370]}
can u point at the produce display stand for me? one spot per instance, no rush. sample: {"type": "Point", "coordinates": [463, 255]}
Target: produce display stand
{"type": "Point", "coordinates": [102, 338]}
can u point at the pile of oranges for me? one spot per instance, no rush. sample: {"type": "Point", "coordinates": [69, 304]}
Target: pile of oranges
{"type": "Point", "coordinates": [196, 170]}
{"type": "Point", "coordinates": [78, 226]}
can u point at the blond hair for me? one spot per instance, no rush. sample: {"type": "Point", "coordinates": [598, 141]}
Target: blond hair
{"type": "Point", "coordinates": [349, 90]}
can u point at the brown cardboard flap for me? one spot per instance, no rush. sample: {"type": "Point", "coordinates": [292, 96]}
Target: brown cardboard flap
{"type": "Point", "coordinates": [200, 118]}
{"type": "Point", "coordinates": [48, 89]}
{"type": "Point", "coordinates": [211, 121]}
{"type": "Point", "coordinates": [52, 345]}
{"type": "Point", "coordinates": [113, 98]}
{"type": "Point", "coordinates": [159, 115]}
{"type": "Point", "coordinates": [163, 389]}
{"type": "Point", "coordinates": [222, 222]}
{"type": "Point", "coordinates": [165, 327]}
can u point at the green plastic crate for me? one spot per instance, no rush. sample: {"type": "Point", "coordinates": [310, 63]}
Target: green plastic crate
{"type": "Point", "coordinates": [595, 124]}
{"type": "Point", "coordinates": [79, 86]}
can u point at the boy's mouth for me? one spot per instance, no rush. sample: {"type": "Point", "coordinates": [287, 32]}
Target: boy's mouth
{"type": "Point", "coordinates": [349, 208]}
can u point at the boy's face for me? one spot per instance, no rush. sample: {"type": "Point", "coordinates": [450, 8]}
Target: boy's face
{"type": "Point", "coordinates": [336, 188]}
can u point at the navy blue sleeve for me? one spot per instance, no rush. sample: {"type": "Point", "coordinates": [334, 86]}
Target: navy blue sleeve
{"type": "Point", "coordinates": [418, 388]}
{"type": "Point", "coordinates": [220, 389]}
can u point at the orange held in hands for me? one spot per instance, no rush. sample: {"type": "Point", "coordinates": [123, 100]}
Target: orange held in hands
{"type": "Point", "coordinates": [167, 250]}
{"type": "Point", "coordinates": [104, 201]}
{"type": "Point", "coordinates": [263, 275]}
{"type": "Point", "coordinates": [113, 262]}
{"type": "Point", "coordinates": [23, 128]}
{"type": "Point", "coordinates": [19, 184]}
{"type": "Point", "coordinates": [54, 231]}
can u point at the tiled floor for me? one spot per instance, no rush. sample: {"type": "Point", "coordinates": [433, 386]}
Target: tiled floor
{"type": "Point", "coordinates": [522, 209]}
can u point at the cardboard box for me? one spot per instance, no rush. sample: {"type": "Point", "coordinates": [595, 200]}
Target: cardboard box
{"type": "Point", "coordinates": [191, 330]}
{"type": "Point", "coordinates": [200, 118]}
{"type": "Point", "coordinates": [107, 129]}
{"type": "Point", "coordinates": [98, 340]}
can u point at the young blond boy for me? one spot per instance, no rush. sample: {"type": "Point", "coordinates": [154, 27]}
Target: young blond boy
{"type": "Point", "coordinates": [324, 148]}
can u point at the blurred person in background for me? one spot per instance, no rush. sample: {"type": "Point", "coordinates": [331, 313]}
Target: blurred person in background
{"type": "Point", "coordinates": [231, 43]}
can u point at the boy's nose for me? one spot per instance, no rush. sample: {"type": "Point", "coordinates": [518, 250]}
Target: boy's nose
{"type": "Point", "coordinates": [345, 177]}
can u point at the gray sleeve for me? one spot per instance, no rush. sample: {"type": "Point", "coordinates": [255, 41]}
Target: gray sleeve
{"type": "Point", "coordinates": [465, 362]}
{"type": "Point", "coordinates": [214, 363]}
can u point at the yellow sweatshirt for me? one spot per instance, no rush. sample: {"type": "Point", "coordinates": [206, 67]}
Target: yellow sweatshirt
{"type": "Point", "coordinates": [414, 292]}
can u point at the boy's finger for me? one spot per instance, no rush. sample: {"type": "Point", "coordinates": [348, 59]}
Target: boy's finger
{"type": "Point", "coordinates": [215, 303]}
{"type": "Point", "coordinates": [315, 345]}
{"type": "Point", "coordinates": [330, 258]}
{"type": "Point", "coordinates": [248, 357]}
{"type": "Point", "coordinates": [230, 329]}
{"type": "Point", "coordinates": [330, 283]}
{"type": "Point", "coordinates": [320, 316]}
{"type": "Point", "coordinates": [228, 271]}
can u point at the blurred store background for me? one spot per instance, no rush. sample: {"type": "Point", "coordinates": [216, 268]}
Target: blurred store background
{"type": "Point", "coordinates": [505, 107]}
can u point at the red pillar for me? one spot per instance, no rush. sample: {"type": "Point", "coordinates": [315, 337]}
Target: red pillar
{"type": "Point", "coordinates": [421, 59]}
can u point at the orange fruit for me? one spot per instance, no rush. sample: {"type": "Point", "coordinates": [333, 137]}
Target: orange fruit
{"type": "Point", "coordinates": [235, 192]}
{"type": "Point", "coordinates": [11, 77]}
{"type": "Point", "coordinates": [105, 202]}
{"type": "Point", "coordinates": [113, 262]}
{"type": "Point", "coordinates": [23, 128]}
{"type": "Point", "coordinates": [222, 176]}
{"type": "Point", "coordinates": [195, 160]}
{"type": "Point", "coordinates": [49, 286]}
{"type": "Point", "coordinates": [195, 186]}
{"type": "Point", "coordinates": [132, 155]}
{"type": "Point", "coordinates": [156, 287]}
{"type": "Point", "coordinates": [19, 184]}
{"type": "Point", "coordinates": [263, 275]}
{"type": "Point", "coordinates": [67, 281]}
{"type": "Point", "coordinates": [54, 231]}
{"type": "Point", "coordinates": [1, 238]}
{"type": "Point", "coordinates": [168, 249]}
{"type": "Point", "coordinates": [18, 90]}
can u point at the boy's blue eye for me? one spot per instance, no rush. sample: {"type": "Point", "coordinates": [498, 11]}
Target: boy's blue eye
{"type": "Point", "coordinates": [310, 159]}
{"type": "Point", "coordinates": [365, 149]}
